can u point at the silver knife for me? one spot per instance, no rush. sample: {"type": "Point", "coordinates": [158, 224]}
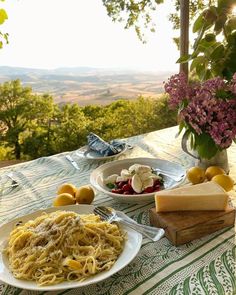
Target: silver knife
{"type": "Point", "coordinates": [70, 159]}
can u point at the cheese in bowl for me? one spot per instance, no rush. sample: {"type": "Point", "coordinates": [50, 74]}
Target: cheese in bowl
{"type": "Point", "coordinates": [140, 177]}
{"type": "Point", "coordinates": [136, 179]}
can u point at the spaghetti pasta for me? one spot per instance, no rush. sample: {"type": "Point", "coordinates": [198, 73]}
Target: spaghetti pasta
{"type": "Point", "coordinates": [63, 246]}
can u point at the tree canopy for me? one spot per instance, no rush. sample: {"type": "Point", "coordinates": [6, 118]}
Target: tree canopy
{"type": "Point", "coordinates": [214, 49]}
{"type": "Point", "coordinates": [141, 15]}
{"type": "Point", "coordinates": [21, 111]}
{"type": "Point", "coordinates": [32, 125]}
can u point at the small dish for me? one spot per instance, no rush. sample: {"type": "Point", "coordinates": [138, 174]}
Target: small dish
{"type": "Point", "coordinates": [102, 172]}
{"type": "Point", "coordinates": [86, 153]}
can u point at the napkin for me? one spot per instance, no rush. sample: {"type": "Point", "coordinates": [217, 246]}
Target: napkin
{"type": "Point", "coordinates": [104, 148]}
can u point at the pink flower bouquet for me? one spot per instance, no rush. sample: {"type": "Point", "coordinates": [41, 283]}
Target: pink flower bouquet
{"type": "Point", "coordinates": [207, 112]}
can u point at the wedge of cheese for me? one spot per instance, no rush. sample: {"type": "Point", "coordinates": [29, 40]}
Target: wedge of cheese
{"type": "Point", "coordinates": [203, 196]}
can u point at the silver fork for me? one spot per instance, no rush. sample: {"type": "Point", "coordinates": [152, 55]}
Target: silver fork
{"type": "Point", "coordinates": [173, 176]}
{"type": "Point", "coordinates": [110, 215]}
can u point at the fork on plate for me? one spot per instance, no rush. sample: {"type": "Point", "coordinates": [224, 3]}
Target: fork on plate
{"type": "Point", "coordinates": [111, 215]}
{"type": "Point", "coordinates": [173, 176]}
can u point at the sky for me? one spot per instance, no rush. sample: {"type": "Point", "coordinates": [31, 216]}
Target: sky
{"type": "Point", "coordinates": [71, 33]}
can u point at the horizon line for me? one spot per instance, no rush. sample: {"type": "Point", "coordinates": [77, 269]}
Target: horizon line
{"type": "Point", "coordinates": [90, 67]}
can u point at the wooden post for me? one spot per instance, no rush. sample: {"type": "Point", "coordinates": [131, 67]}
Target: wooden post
{"type": "Point", "coordinates": [184, 33]}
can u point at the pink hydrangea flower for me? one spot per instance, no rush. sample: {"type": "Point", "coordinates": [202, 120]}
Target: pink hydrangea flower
{"type": "Point", "coordinates": [210, 107]}
{"type": "Point", "coordinates": [178, 89]}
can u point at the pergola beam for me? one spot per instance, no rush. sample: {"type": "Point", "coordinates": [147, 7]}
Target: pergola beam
{"type": "Point", "coordinates": [184, 33]}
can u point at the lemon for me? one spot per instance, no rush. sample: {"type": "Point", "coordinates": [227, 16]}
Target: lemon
{"type": "Point", "coordinates": [196, 175]}
{"type": "Point", "coordinates": [212, 171]}
{"type": "Point", "coordinates": [224, 181]}
{"type": "Point", "coordinates": [63, 200]}
{"type": "Point", "coordinates": [67, 188]}
{"type": "Point", "coordinates": [84, 194]}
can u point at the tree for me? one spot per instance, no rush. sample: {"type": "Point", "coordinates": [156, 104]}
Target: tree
{"type": "Point", "coordinates": [141, 14]}
{"type": "Point", "coordinates": [71, 129]}
{"type": "Point", "coordinates": [124, 118]}
{"type": "Point", "coordinates": [38, 138]}
{"type": "Point", "coordinates": [211, 57]}
{"type": "Point", "coordinates": [213, 20]}
{"type": "Point", "coordinates": [33, 126]}
{"type": "Point", "coordinates": [20, 112]}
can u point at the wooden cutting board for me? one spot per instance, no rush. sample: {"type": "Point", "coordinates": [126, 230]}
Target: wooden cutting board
{"type": "Point", "coordinates": [184, 226]}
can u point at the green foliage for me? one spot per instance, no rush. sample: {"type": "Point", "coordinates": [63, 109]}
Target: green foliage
{"type": "Point", "coordinates": [32, 125]}
{"type": "Point", "coordinates": [5, 152]}
{"type": "Point", "coordinates": [134, 13]}
{"type": "Point", "coordinates": [210, 57]}
{"type": "Point", "coordinates": [195, 6]}
{"type": "Point", "coordinates": [203, 144]}
{"type": "Point", "coordinates": [128, 118]}
{"type": "Point", "coordinates": [3, 18]}
{"type": "Point", "coordinates": [214, 49]}
{"type": "Point", "coordinates": [21, 111]}
{"type": "Point", "coordinates": [141, 14]}
{"type": "Point", "coordinates": [71, 130]}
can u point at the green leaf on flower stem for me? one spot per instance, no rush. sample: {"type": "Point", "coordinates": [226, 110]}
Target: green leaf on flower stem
{"type": "Point", "coordinates": [3, 16]}
{"type": "Point", "coordinates": [182, 105]}
{"type": "Point", "coordinates": [192, 141]}
{"type": "Point", "coordinates": [181, 127]}
{"type": "Point", "coordinates": [224, 94]}
{"type": "Point", "coordinates": [205, 146]}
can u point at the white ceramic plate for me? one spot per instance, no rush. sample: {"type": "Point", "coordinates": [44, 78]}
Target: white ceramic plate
{"type": "Point", "coordinates": [131, 249]}
{"type": "Point", "coordinates": [99, 174]}
{"type": "Point", "coordinates": [86, 153]}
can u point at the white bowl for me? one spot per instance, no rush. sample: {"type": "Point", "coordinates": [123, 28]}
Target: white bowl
{"type": "Point", "coordinates": [102, 172]}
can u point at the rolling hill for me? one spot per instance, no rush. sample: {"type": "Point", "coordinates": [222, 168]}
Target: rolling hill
{"type": "Point", "coordinates": [87, 85]}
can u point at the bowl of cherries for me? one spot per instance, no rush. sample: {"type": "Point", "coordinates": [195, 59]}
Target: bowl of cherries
{"type": "Point", "coordinates": [132, 180]}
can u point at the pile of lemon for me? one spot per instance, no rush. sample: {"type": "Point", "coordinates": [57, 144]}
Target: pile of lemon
{"type": "Point", "coordinates": [213, 173]}
{"type": "Point", "coordinates": [68, 194]}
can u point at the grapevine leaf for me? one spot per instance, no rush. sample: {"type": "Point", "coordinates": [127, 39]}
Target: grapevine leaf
{"type": "Point", "coordinates": [3, 16]}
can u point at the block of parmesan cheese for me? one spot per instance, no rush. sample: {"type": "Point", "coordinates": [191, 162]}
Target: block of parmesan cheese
{"type": "Point", "coordinates": [203, 196]}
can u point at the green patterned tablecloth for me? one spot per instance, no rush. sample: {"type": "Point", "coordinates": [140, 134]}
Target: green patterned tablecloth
{"type": "Point", "coordinates": [204, 266]}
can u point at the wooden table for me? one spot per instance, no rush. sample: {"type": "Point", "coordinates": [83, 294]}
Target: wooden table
{"type": "Point", "coordinates": [203, 266]}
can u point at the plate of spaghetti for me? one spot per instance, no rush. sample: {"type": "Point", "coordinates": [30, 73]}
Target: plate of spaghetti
{"type": "Point", "coordinates": [63, 247]}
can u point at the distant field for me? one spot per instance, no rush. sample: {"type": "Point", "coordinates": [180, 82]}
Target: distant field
{"type": "Point", "coordinates": [87, 85]}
